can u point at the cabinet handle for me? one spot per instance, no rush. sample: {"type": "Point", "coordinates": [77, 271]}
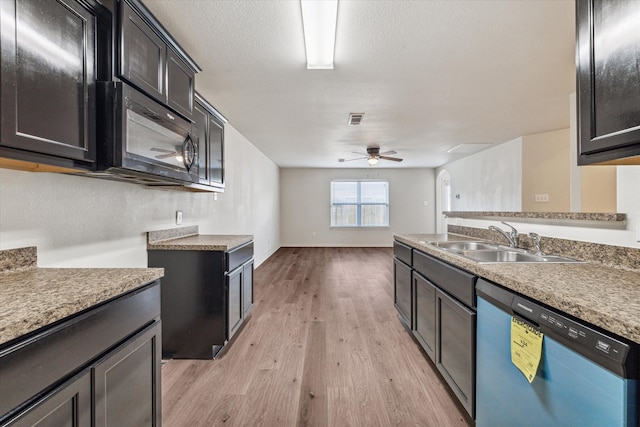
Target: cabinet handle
{"type": "Point", "coordinates": [189, 152]}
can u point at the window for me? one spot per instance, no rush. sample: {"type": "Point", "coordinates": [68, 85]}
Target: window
{"type": "Point", "coordinates": [359, 204]}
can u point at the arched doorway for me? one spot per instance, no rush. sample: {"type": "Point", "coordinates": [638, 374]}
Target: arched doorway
{"type": "Point", "coordinates": [443, 200]}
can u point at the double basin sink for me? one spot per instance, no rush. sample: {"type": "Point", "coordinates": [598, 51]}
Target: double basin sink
{"type": "Point", "coordinates": [489, 253]}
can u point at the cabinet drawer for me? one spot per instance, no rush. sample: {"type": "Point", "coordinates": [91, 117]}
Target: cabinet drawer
{"type": "Point", "coordinates": [238, 256]}
{"type": "Point", "coordinates": [46, 358]}
{"type": "Point", "coordinates": [456, 282]}
{"type": "Point", "coordinates": [402, 252]}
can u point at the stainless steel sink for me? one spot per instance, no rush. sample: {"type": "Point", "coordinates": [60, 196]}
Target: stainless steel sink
{"type": "Point", "coordinates": [505, 255]}
{"type": "Point", "coordinates": [489, 253]}
{"type": "Point", "coordinates": [465, 246]}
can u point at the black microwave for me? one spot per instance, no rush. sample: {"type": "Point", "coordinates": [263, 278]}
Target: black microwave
{"type": "Point", "coordinates": [142, 141]}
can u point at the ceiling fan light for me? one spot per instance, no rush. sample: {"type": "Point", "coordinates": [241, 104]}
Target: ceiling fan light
{"type": "Point", "coordinates": [372, 161]}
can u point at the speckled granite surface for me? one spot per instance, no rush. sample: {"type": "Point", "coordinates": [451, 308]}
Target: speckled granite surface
{"type": "Point", "coordinates": [171, 233]}
{"type": "Point", "coordinates": [604, 296]}
{"type": "Point", "coordinates": [579, 216]}
{"type": "Point", "coordinates": [201, 242]}
{"type": "Point", "coordinates": [19, 259]}
{"type": "Point", "coordinates": [31, 298]}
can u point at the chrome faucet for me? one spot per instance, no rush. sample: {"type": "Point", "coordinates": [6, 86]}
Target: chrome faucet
{"type": "Point", "coordinates": [535, 239]}
{"type": "Point", "coordinates": [512, 236]}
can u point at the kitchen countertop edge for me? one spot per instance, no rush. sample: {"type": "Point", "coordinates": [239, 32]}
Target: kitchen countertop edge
{"type": "Point", "coordinates": [202, 242]}
{"type": "Point", "coordinates": [36, 298]}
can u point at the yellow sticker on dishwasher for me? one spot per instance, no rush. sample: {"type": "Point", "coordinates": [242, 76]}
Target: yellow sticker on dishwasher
{"type": "Point", "coordinates": [526, 347]}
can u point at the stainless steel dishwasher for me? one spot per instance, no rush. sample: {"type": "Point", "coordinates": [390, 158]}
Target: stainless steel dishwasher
{"type": "Point", "coordinates": [585, 377]}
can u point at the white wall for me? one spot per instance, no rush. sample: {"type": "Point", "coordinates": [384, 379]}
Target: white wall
{"type": "Point", "coordinates": [490, 180]}
{"type": "Point", "coordinates": [628, 200]}
{"type": "Point", "coordinates": [305, 206]}
{"type": "Point", "coordinates": [86, 222]}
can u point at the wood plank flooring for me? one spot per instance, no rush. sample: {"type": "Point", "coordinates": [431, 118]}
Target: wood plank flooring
{"type": "Point", "coordinates": [323, 347]}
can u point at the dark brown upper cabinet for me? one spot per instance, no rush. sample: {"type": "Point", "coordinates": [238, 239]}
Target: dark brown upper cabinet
{"type": "Point", "coordinates": [608, 81]}
{"type": "Point", "coordinates": [152, 61]}
{"type": "Point", "coordinates": [209, 128]}
{"type": "Point", "coordinates": [49, 67]}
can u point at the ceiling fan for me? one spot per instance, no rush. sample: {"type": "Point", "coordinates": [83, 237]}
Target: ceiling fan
{"type": "Point", "coordinates": [373, 155]}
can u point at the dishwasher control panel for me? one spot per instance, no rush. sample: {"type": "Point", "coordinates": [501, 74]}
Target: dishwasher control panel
{"type": "Point", "coordinates": [559, 326]}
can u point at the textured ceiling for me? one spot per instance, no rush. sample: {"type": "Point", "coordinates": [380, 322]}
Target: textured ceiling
{"type": "Point", "coordinates": [429, 75]}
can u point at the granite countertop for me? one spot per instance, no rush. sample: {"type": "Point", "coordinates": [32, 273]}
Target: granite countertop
{"type": "Point", "coordinates": [188, 239]}
{"type": "Point", "coordinates": [604, 296]}
{"type": "Point", "coordinates": [32, 297]}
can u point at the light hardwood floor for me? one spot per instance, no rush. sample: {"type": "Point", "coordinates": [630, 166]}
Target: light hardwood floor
{"type": "Point", "coordinates": [323, 347]}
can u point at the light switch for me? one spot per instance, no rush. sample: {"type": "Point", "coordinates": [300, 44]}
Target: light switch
{"type": "Point", "coordinates": [178, 217]}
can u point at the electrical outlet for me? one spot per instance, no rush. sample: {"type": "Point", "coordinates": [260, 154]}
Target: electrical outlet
{"type": "Point", "coordinates": [541, 198]}
{"type": "Point", "coordinates": [178, 217]}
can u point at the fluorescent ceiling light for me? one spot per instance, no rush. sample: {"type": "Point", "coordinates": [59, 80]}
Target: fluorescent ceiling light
{"type": "Point", "coordinates": [319, 18]}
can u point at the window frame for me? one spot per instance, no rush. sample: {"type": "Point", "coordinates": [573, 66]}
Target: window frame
{"type": "Point", "coordinates": [359, 204]}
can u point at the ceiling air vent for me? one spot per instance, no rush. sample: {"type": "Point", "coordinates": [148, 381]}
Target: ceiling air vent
{"type": "Point", "coordinates": [355, 119]}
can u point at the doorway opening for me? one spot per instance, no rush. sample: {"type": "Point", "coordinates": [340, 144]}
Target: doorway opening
{"type": "Point", "coordinates": [443, 200]}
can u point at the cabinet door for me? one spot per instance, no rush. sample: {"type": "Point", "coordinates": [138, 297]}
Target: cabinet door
{"type": "Point", "coordinates": [247, 288]}
{"type": "Point", "coordinates": [425, 314]}
{"type": "Point", "coordinates": [127, 382]}
{"type": "Point", "coordinates": [402, 291]}
{"type": "Point", "coordinates": [48, 68]}
{"type": "Point", "coordinates": [67, 406]}
{"type": "Point", "coordinates": [608, 80]}
{"type": "Point", "coordinates": [455, 348]}
{"type": "Point", "coordinates": [200, 120]}
{"type": "Point", "coordinates": [143, 54]}
{"type": "Point", "coordinates": [180, 84]}
{"type": "Point", "coordinates": [216, 151]}
{"type": "Point", "coordinates": [234, 300]}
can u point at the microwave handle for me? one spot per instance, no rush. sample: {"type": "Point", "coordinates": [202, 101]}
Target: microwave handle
{"type": "Point", "coordinates": [189, 152]}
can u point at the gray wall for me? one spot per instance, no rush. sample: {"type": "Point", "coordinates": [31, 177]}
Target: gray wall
{"type": "Point", "coordinates": [86, 222]}
{"type": "Point", "coordinates": [305, 206]}
{"type": "Point", "coordinates": [490, 180]}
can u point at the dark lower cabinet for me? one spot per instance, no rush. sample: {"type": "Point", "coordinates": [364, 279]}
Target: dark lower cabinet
{"type": "Point", "coordinates": [127, 382]}
{"type": "Point", "coordinates": [69, 405]}
{"type": "Point", "coordinates": [49, 63]}
{"type": "Point", "coordinates": [234, 315]}
{"type": "Point", "coordinates": [205, 298]}
{"type": "Point", "coordinates": [98, 368]}
{"type": "Point", "coordinates": [455, 348]}
{"type": "Point", "coordinates": [402, 291]}
{"type": "Point", "coordinates": [247, 288]}
{"type": "Point", "coordinates": [425, 314]}
{"type": "Point", "coordinates": [437, 300]}
{"type": "Point", "coordinates": [240, 291]}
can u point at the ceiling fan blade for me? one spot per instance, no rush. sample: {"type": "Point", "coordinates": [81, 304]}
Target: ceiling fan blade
{"type": "Point", "coordinates": [393, 159]}
{"type": "Point", "coordinates": [359, 153]}
{"type": "Point", "coordinates": [388, 152]}
{"type": "Point", "coordinates": [166, 156]}
{"type": "Point", "coordinates": [350, 160]}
